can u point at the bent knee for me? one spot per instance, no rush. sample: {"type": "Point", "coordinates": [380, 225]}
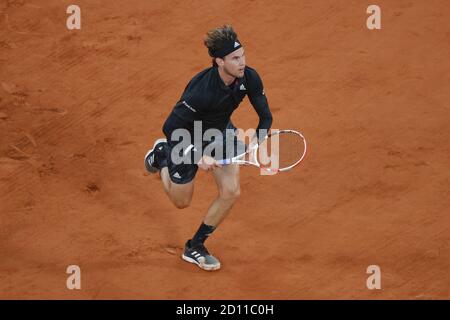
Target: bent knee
{"type": "Point", "coordinates": [230, 194]}
{"type": "Point", "coordinates": [182, 204]}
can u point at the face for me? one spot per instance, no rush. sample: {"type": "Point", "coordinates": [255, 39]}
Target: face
{"type": "Point", "coordinates": [234, 63]}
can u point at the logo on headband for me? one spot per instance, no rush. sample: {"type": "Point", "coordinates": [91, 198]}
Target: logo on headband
{"type": "Point", "coordinates": [236, 44]}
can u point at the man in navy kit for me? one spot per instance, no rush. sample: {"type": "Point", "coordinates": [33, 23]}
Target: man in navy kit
{"type": "Point", "coordinates": [210, 97]}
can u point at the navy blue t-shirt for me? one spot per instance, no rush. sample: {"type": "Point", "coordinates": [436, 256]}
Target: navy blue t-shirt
{"type": "Point", "coordinates": [206, 98]}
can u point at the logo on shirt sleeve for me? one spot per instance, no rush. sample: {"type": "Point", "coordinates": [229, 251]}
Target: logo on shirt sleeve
{"type": "Point", "coordinates": [188, 106]}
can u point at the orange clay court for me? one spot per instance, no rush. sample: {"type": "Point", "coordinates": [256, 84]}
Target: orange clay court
{"type": "Point", "coordinates": [80, 108]}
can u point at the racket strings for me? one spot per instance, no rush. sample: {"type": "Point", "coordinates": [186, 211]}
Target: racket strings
{"type": "Point", "coordinates": [281, 150]}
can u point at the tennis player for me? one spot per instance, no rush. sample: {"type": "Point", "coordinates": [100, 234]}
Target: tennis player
{"type": "Point", "coordinates": [210, 97]}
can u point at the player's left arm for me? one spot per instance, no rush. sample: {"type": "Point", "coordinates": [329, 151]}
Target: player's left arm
{"type": "Point", "coordinates": [259, 102]}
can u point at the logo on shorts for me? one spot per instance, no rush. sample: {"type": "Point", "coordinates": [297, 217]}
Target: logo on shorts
{"type": "Point", "coordinates": [177, 175]}
{"type": "Point", "coordinates": [236, 44]}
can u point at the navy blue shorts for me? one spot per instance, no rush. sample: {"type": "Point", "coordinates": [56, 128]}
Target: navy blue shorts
{"type": "Point", "coordinates": [181, 173]}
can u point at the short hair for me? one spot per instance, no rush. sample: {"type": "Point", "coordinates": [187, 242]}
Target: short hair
{"type": "Point", "coordinates": [217, 37]}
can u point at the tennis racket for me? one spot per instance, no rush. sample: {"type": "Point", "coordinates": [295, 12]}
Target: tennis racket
{"type": "Point", "coordinates": [281, 150]}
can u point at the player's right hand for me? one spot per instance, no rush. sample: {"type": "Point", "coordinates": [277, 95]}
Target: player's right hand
{"type": "Point", "coordinates": [208, 163]}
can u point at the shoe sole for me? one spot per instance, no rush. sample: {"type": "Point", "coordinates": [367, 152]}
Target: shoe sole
{"type": "Point", "coordinates": [147, 166]}
{"type": "Point", "coordinates": [201, 266]}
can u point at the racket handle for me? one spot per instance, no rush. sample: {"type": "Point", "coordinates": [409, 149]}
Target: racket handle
{"type": "Point", "coordinates": [224, 162]}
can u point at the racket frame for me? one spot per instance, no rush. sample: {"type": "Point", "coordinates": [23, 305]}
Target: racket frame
{"type": "Point", "coordinates": [252, 152]}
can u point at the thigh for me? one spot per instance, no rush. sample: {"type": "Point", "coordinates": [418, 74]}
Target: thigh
{"type": "Point", "coordinates": [179, 193]}
{"type": "Point", "coordinates": [182, 178]}
{"type": "Point", "coordinates": [180, 173]}
{"type": "Point", "coordinates": [227, 178]}
{"type": "Point", "coordinates": [182, 192]}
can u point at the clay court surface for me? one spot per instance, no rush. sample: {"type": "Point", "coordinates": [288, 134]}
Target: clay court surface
{"type": "Point", "coordinates": [79, 109]}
